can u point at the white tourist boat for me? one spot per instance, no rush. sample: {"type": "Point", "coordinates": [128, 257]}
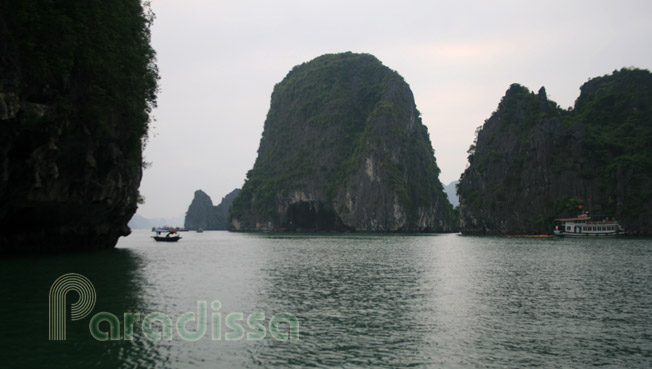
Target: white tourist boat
{"type": "Point", "coordinates": [584, 225]}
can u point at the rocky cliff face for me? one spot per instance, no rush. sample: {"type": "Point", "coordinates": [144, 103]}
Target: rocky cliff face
{"type": "Point", "coordinates": [76, 86]}
{"type": "Point", "coordinates": [222, 209]}
{"type": "Point", "coordinates": [202, 214]}
{"type": "Point", "coordinates": [343, 148]}
{"type": "Point", "coordinates": [533, 162]}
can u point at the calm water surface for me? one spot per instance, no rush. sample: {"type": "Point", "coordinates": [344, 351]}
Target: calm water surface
{"type": "Point", "coordinates": [382, 301]}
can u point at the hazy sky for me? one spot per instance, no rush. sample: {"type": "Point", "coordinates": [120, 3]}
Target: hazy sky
{"type": "Point", "coordinates": [219, 61]}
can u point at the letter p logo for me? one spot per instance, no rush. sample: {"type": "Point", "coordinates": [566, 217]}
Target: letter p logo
{"type": "Point", "coordinates": [57, 303]}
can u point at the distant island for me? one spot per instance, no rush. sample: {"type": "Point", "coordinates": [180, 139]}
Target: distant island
{"type": "Point", "coordinates": [140, 222]}
{"type": "Point", "coordinates": [203, 215]}
{"type": "Point", "coordinates": [451, 193]}
{"type": "Point", "coordinates": [343, 149]}
{"type": "Point", "coordinates": [533, 161]}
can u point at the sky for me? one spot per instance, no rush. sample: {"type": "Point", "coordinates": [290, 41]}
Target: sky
{"type": "Point", "coordinates": [219, 61]}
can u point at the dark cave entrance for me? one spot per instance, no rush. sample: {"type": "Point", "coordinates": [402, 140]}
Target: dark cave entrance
{"type": "Point", "coordinates": [310, 216]}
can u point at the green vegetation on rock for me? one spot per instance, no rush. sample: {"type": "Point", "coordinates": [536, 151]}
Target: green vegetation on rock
{"type": "Point", "coordinates": [533, 161]}
{"type": "Point", "coordinates": [77, 84]}
{"type": "Point", "coordinates": [343, 148]}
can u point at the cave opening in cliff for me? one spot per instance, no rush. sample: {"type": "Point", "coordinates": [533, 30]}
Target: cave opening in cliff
{"type": "Point", "coordinates": [308, 216]}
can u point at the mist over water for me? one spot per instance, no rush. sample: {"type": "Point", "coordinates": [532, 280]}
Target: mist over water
{"type": "Point", "coordinates": [362, 300]}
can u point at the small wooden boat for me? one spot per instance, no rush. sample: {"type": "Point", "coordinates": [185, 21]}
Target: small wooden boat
{"type": "Point", "coordinates": [170, 236]}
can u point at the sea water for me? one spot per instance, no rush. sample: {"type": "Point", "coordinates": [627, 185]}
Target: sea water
{"type": "Point", "coordinates": [235, 300]}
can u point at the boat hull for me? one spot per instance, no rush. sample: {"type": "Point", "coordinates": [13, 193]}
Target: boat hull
{"type": "Point", "coordinates": [587, 234]}
{"type": "Point", "coordinates": [166, 239]}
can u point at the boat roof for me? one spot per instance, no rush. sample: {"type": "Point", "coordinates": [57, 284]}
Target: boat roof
{"type": "Point", "coordinates": [577, 218]}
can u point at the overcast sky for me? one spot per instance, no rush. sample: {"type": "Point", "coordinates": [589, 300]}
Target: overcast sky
{"type": "Point", "coordinates": [219, 61]}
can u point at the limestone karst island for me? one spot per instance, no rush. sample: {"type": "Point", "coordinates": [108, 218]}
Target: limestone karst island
{"type": "Point", "coordinates": [533, 162]}
{"type": "Point", "coordinates": [343, 149]}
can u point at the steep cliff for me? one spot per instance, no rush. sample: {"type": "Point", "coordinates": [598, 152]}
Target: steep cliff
{"type": "Point", "coordinates": [343, 148]}
{"type": "Point", "coordinates": [533, 162]}
{"type": "Point", "coordinates": [202, 214]}
{"type": "Point", "coordinates": [222, 209]}
{"type": "Point", "coordinates": [77, 83]}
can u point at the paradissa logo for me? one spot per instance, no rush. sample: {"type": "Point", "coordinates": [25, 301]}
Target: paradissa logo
{"type": "Point", "coordinates": [158, 326]}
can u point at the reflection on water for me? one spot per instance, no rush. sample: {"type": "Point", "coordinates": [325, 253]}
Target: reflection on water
{"type": "Point", "coordinates": [362, 301]}
{"type": "Point", "coordinates": [359, 298]}
{"type": "Point", "coordinates": [25, 287]}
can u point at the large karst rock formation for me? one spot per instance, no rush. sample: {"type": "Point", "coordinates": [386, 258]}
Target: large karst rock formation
{"type": "Point", "coordinates": [533, 161]}
{"type": "Point", "coordinates": [343, 148]}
